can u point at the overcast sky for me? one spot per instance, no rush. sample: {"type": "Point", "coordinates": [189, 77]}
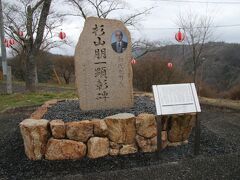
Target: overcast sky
{"type": "Point", "coordinates": [155, 26]}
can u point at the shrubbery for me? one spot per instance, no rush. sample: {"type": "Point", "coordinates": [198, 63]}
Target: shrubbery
{"type": "Point", "coordinates": [153, 70]}
{"type": "Point", "coordinates": [233, 93]}
{"type": "Point", "coordinates": [46, 63]}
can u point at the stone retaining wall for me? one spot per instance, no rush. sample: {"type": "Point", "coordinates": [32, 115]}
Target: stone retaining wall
{"type": "Point", "coordinates": [114, 135]}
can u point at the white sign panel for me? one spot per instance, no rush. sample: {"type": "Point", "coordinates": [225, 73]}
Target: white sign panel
{"type": "Point", "coordinates": [176, 98]}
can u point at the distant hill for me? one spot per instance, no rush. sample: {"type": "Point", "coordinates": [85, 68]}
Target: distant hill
{"type": "Point", "coordinates": [221, 68]}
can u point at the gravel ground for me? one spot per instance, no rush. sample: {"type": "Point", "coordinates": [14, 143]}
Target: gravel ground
{"type": "Point", "coordinates": [69, 110]}
{"type": "Point", "coordinates": [219, 153]}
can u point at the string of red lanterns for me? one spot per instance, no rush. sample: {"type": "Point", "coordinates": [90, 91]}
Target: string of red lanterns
{"type": "Point", "coordinates": [10, 42]}
{"type": "Point", "coordinates": [179, 36]}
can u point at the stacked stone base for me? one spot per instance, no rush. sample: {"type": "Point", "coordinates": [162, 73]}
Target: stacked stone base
{"type": "Point", "coordinates": [120, 134]}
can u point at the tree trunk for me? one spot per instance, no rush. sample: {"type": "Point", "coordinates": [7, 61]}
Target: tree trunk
{"type": "Point", "coordinates": [32, 47]}
{"type": "Point", "coordinates": [66, 78]}
{"type": "Point", "coordinates": [195, 69]}
{"type": "Point", "coordinates": [194, 75]}
{"type": "Point", "coordinates": [30, 72]}
{"type": "Point", "coordinates": [194, 63]}
{"type": "Point", "coordinates": [36, 74]}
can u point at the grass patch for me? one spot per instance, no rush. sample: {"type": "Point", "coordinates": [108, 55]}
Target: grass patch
{"type": "Point", "coordinates": [31, 99]}
{"type": "Point", "coordinates": [55, 85]}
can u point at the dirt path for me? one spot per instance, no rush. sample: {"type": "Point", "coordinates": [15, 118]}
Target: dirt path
{"type": "Point", "coordinates": [225, 123]}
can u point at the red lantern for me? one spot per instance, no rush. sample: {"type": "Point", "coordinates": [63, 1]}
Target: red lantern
{"type": "Point", "coordinates": [179, 36]}
{"type": "Point", "coordinates": [133, 61]}
{"type": "Point", "coordinates": [20, 33]}
{"type": "Point", "coordinates": [7, 44]}
{"type": "Point", "coordinates": [11, 42]}
{"type": "Point", "coordinates": [62, 35]}
{"type": "Point", "coordinates": [169, 65]}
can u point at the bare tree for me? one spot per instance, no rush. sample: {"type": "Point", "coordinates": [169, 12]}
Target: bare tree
{"type": "Point", "coordinates": [64, 67]}
{"type": "Point", "coordinates": [197, 29]}
{"type": "Point", "coordinates": [106, 9]}
{"type": "Point", "coordinates": [142, 46]}
{"type": "Point", "coordinates": [38, 21]}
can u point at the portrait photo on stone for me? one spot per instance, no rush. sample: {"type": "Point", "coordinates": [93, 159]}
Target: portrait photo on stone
{"type": "Point", "coordinates": [119, 41]}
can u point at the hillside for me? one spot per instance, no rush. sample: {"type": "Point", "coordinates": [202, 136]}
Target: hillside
{"type": "Point", "coordinates": [220, 70]}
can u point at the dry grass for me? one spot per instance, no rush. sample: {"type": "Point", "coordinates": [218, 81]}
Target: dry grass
{"type": "Point", "coordinates": [222, 103]}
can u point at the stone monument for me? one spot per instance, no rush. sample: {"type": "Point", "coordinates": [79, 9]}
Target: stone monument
{"type": "Point", "coordinates": [102, 65]}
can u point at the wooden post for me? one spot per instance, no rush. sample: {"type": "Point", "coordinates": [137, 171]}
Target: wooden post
{"type": "Point", "coordinates": [54, 70]}
{"type": "Point", "coordinates": [197, 136]}
{"type": "Point", "coordinates": [159, 135]}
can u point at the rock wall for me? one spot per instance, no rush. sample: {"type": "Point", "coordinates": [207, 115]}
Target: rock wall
{"type": "Point", "coordinates": [120, 134]}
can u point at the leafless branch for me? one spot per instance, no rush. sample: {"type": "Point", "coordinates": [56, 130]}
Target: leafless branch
{"type": "Point", "coordinates": [198, 31]}
{"type": "Point", "coordinates": [132, 19]}
{"type": "Point", "coordinates": [103, 8]}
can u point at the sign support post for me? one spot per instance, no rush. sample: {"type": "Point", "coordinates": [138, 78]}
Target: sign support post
{"type": "Point", "coordinates": [159, 135]}
{"type": "Point", "coordinates": [197, 136]}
